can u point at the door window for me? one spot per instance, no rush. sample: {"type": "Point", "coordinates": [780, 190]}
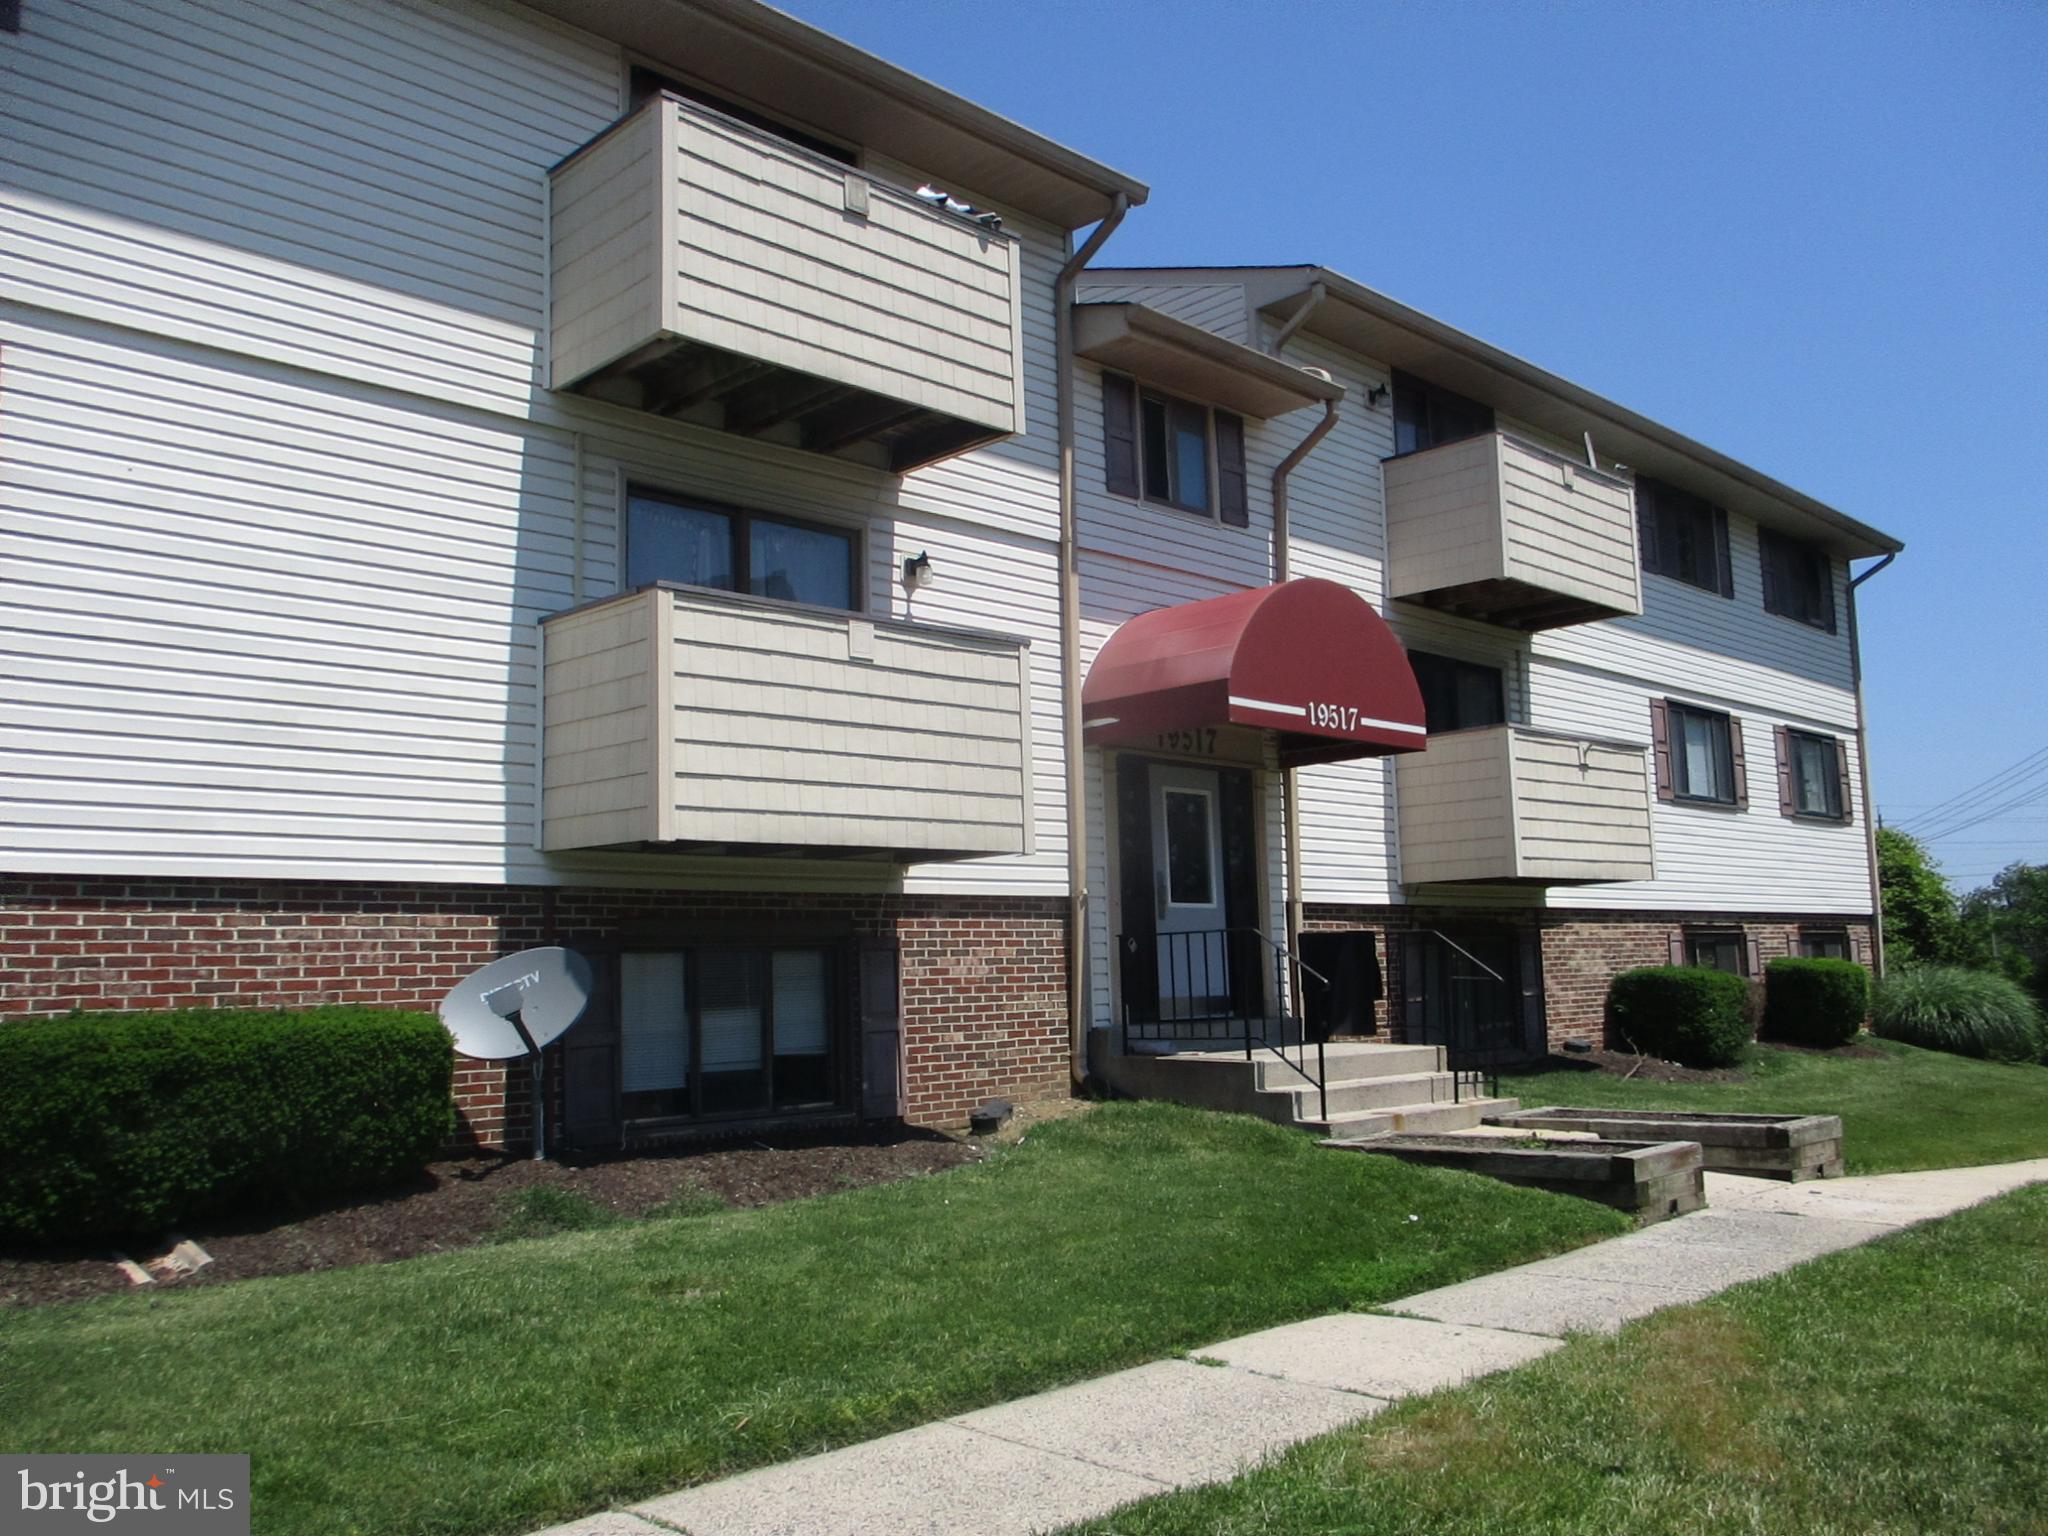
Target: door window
{"type": "Point", "coordinates": [1190, 872]}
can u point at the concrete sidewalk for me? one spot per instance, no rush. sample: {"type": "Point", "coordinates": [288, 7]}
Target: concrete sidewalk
{"type": "Point", "coordinates": [1048, 1461]}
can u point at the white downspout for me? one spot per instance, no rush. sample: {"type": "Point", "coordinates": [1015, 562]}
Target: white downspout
{"type": "Point", "coordinates": [1863, 770]}
{"type": "Point", "coordinates": [1290, 798]}
{"type": "Point", "coordinates": [1080, 994]}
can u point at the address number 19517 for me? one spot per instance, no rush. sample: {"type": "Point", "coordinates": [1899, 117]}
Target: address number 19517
{"type": "Point", "coordinates": [1334, 717]}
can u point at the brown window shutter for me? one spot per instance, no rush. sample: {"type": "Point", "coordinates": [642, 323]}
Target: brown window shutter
{"type": "Point", "coordinates": [1752, 957]}
{"type": "Point", "coordinates": [1764, 546]}
{"type": "Point", "coordinates": [1232, 503]}
{"type": "Point", "coordinates": [1859, 945]}
{"type": "Point", "coordinates": [1827, 591]}
{"type": "Point", "coordinates": [1678, 946]}
{"type": "Point", "coordinates": [1787, 805]}
{"type": "Point", "coordinates": [1725, 565]}
{"type": "Point", "coordinates": [1660, 748]}
{"type": "Point", "coordinates": [1842, 775]}
{"type": "Point", "coordinates": [592, 1117]}
{"type": "Point", "coordinates": [10, 15]}
{"type": "Point", "coordinates": [1737, 764]}
{"type": "Point", "coordinates": [881, 1029]}
{"type": "Point", "coordinates": [1120, 434]}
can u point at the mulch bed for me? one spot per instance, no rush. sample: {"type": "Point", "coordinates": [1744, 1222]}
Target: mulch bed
{"type": "Point", "coordinates": [1644, 1068]}
{"type": "Point", "coordinates": [457, 1204]}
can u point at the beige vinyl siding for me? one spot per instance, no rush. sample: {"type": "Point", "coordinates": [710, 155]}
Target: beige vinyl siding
{"type": "Point", "coordinates": [602, 761]}
{"type": "Point", "coordinates": [758, 253]}
{"type": "Point", "coordinates": [757, 723]}
{"type": "Point", "coordinates": [1496, 507]}
{"type": "Point", "coordinates": [1508, 803]}
{"type": "Point", "coordinates": [607, 243]}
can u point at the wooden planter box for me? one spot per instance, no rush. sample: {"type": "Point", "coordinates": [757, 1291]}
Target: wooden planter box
{"type": "Point", "coordinates": [1793, 1147]}
{"type": "Point", "coordinates": [1651, 1179]}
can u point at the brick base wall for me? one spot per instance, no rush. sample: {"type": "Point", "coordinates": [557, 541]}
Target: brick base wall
{"type": "Point", "coordinates": [1582, 951]}
{"type": "Point", "coordinates": [983, 982]}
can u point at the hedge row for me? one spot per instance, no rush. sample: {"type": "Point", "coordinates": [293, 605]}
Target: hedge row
{"type": "Point", "coordinates": [134, 1122]}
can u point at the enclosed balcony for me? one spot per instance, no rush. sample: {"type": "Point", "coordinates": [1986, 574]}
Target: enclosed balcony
{"type": "Point", "coordinates": [1497, 528]}
{"type": "Point", "coordinates": [1508, 803]}
{"type": "Point", "coordinates": [679, 718]}
{"type": "Point", "coordinates": [709, 271]}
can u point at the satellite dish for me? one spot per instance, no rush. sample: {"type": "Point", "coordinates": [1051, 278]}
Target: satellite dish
{"type": "Point", "coordinates": [517, 1006]}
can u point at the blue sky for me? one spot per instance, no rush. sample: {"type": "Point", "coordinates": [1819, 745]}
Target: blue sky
{"type": "Point", "coordinates": [1815, 237]}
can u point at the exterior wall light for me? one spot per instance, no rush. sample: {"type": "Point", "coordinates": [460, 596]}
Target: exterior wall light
{"type": "Point", "coordinates": [918, 573]}
{"type": "Point", "coordinates": [1375, 395]}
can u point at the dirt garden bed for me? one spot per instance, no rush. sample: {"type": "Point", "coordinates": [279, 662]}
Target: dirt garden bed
{"type": "Point", "coordinates": [458, 1203]}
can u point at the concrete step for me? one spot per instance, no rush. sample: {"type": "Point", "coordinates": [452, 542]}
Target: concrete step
{"type": "Point", "coordinates": [1349, 1062]}
{"type": "Point", "coordinates": [1417, 1118]}
{"type": "Point", "coordinates": [1374, 1093]}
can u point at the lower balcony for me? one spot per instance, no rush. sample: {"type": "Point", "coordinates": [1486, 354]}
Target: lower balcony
{"type": "Point", "coordinates": [1510, 803]}
{"type": "Point", "coordinates": [710, 722]}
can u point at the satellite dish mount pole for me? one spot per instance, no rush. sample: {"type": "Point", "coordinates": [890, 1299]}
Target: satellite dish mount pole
{"type": "Point", "coordinates": [539, 1086]}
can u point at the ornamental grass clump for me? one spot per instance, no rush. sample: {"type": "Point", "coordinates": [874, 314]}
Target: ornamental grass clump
{"type": "Point", "coordinates": [1968, 1013]}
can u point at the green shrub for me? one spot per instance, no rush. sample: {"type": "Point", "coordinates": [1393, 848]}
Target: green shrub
{"type": "Point", "coordinates": [1815, 1002]}
{"type": "Point", "coordinates": [1948, 1008]}
{"type": "Point", "coordinates": [1682, 1013]}
{"type": "Point", "coordinates": [132, 1122]}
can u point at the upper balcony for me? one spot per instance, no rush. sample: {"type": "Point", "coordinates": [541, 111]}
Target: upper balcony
{"type": "Point", "coordinates": [675, 717]}
{"type": "Point", "coordinates": [708, 271]}
{"type": "Point", "coordinates": [1497, 528]}
{"type": "Point", "coordinates": [1508, 803]}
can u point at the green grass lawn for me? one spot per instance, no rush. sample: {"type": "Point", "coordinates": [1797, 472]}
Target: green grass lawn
{"type": "Point", "coordinates": [1907, 1108]}
{"type": "Point", "coordinates": [1899, 1388]}
{"type": "Point", "coordinates": [503, 1387]}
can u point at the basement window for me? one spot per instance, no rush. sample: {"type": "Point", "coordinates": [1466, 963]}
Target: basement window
{"type": "Point", "coordinates": [1718, 950]}
{"type": "Point", "coordinates": [717, 1031]}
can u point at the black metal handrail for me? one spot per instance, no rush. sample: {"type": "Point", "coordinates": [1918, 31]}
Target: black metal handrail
{"type": "Point", "coordinates": [1219, 994]}
{"type": "Point", "coordinates": [1468, 1061]}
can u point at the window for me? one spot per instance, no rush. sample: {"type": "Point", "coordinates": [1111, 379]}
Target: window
{"type": "Point", "coordinates": [1683, 536]}
{"type": "Point", "coordinates": [1718, 950]}
{"type": "Point", "coordinates": [643, 83]}
{"type": "Point", "coordinates": [1190, 874]}
{"type": "Point", "coordinates": [725, 1031]}
{"type": "Point", "coordinates": [1799, 580]}
{"type": "Point", "coordinates": [1812, 776]}
{"type": "Point", "coordinates": [1698, 755]}
{"type": "Point", "coordinates": [1824, 944]}
{"type": "Point", "coordinates": [1458, 695]}
{"type": "Point", "coordinates": [1173, 452]}
{"type": "Point", "coordinates": [704, 545]}
{"type": "Point", "coordinates": [1426, 415]}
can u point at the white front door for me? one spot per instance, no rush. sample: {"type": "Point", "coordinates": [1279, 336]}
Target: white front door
{"type": "Point", "coordinates": [1188, 885]}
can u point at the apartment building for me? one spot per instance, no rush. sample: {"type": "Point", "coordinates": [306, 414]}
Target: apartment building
{"type": "Point", "coordinates": [1636, 657]}
{"type": "Point", "coordinates": [657, 479]}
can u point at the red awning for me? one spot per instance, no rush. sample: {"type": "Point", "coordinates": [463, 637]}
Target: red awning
{"type": "Point", "coordinates": [1307, 659]}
